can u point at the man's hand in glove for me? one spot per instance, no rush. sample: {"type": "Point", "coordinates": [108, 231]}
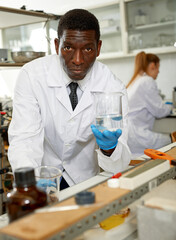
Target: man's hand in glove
{"type": "Point", "coordinates": [106, 140]}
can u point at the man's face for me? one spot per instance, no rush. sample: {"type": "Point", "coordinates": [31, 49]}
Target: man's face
{"type": "Point", "coordinates": [77, 51]}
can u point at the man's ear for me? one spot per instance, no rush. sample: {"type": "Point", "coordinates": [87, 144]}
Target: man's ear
{"type": "Point", "coordinates": [56, 42]}
{"type": "Point", "coordinates": [99, 47]}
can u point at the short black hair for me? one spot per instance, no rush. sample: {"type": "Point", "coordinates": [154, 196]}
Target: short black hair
{"type": "Point", "coordinates": [79, 19]}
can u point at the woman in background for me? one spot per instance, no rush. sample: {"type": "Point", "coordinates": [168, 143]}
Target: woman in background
{"type": "Point", "coordinates": [145, 104]}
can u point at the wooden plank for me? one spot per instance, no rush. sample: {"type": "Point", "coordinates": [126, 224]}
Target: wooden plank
{"type": "Point", "coordinates": [30, 13]}
{"type": "Point", "coordinates": [172, 152]}
{"type": "Point", "coordinates": [12, 64]}
{"type": "Point", "coordinates": [40, 226]}
{"type": "Point", "coordinates": [135, 162]}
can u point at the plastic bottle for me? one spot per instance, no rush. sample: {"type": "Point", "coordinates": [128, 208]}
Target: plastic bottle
{"type": "Point", "coordinates": [25, 196]}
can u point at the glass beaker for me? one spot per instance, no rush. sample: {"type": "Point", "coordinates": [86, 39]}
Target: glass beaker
{"type": "Point", "coordinates": [109, 111]}
{"type": "Point", "coordinates": [48, 179]}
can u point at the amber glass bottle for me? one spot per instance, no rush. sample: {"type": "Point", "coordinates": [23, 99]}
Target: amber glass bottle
{"type": "Point", "coordinates": [25, 196]}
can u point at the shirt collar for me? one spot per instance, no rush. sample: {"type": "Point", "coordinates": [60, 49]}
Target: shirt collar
{"type": "Point", "coordinates": [81, 83]}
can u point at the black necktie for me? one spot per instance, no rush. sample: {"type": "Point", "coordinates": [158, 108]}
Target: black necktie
{"type": "Point", "coordinates": [73, 96]}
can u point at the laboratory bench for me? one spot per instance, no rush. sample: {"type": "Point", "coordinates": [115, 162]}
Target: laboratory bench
{"type": "Point", "coordinates": [167, 124]}
{"type": "Point", "coordinates": [129, 229]}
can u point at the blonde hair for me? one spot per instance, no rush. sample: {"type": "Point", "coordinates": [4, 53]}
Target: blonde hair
{"type": "Point", "coordinates": [142, 60]}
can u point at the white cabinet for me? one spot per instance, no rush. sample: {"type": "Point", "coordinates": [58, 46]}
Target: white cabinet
{"type": "Point", "coordinates": [110, 28]}
{"type": "Point", "coordinates": [151, 24]}
{"type": "Point", "coordinates": [129, 26]}
{"type": "Point", "coordinates": [17, 26]}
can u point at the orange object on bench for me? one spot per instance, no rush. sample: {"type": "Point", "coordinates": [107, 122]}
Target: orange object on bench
{"type": "Point", "coordinates": [155, 154]}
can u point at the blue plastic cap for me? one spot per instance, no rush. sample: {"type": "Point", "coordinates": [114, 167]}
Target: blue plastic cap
{"type": "Point", "coordinates": [85, 197]}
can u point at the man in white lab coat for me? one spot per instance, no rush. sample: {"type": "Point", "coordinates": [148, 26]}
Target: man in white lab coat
{"type": "Point", "coordinates": [45, 129]}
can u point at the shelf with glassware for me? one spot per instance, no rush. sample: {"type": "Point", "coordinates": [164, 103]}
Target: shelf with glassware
{"type": "Point", "coordinates": [17, 26]}
{"type": "Point", "coordinates": [138, 31]}
{"type": "Point", "coordinates": [150, 26]}
{"type": "Point", "coordinates": [153, 25]}
{"type": "Point", "coordinates": [158, 40]}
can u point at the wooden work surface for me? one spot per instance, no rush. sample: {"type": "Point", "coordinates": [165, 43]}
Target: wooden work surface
{"type": "Point", "coordinates": [40, 226]}
{"type": "Point", "coordinates": [172, 152]}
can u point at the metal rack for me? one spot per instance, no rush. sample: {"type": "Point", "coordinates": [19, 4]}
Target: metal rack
{"type": "Point", "coordinates": [2, 170]}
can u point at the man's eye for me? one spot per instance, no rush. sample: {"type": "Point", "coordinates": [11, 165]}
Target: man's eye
{"type": "Point", "coordinates": [67, 48]}
{"type": "Point", "coordinates": [88, 49]}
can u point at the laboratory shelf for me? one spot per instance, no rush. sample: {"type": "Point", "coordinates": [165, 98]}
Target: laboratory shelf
{"type": "Point", "coordinates": [4, 64]}
{"type": "Point", "coordinates": [152, 26]}
{"type": "Point", "coordinates": [10, 17]}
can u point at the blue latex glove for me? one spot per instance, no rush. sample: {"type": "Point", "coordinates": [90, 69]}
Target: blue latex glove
{"type": "Point", "coordinates": [44, 183]}
{"type": "Point", "coordinates": [169, 103]}
{"type": "Point", "coordinates": [106, 140]}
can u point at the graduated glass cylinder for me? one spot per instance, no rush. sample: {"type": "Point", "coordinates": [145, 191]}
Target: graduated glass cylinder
{"type": "Point", "coordinates": [109, 111]}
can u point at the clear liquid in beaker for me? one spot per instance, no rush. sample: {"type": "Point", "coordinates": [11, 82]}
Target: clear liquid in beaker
{"type": "Point", "coordinates": [110, 122]}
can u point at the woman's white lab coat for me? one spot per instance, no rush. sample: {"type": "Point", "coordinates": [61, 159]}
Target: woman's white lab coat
{"type": "Point", "coordinates": [145, 104]}
{"type": "Point", "coordinates": [45, 131]}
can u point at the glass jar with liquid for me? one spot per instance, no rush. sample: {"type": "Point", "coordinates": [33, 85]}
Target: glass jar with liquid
{"type": "Point", "coordinates": [109, 111]}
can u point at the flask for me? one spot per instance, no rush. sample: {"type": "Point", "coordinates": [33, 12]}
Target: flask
{"type": "Point", "coordinates": [174, 97]}
{"type": "Point", "coordinates": [25, 196]}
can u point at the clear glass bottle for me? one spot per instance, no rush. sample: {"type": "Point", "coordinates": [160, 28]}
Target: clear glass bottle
{"type": "Point", "coordinates": [25, 196]}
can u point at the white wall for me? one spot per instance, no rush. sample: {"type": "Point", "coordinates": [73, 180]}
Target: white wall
{"type": "Point", "coordinates": [123, 69]}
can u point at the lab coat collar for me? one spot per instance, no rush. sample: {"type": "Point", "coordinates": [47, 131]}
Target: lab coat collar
{"type": "Point", "coordinates": [97, 79]}
{"type": "Point", "coordinates": [58, 78]}
{"type": "Point", "coordinates": [81, 83]}
{"type": "Point", "coordinates": [85, 101]}
{"type": "Point", "coordinates": [55, 79]}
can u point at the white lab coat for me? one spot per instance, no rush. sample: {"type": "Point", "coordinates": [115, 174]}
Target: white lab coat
{"type": "Point", "coordinates": [145, 104]}
{"type": "Point", "coordinates": [46, 131]}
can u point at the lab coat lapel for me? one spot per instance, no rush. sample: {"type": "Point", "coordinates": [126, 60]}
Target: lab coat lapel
{"type": "Point", "coordinates": [85, 101]}
{"type": "Point", "coordinates": [55, 80]}
{"type": "Point", "coordinates": [62, 96]}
